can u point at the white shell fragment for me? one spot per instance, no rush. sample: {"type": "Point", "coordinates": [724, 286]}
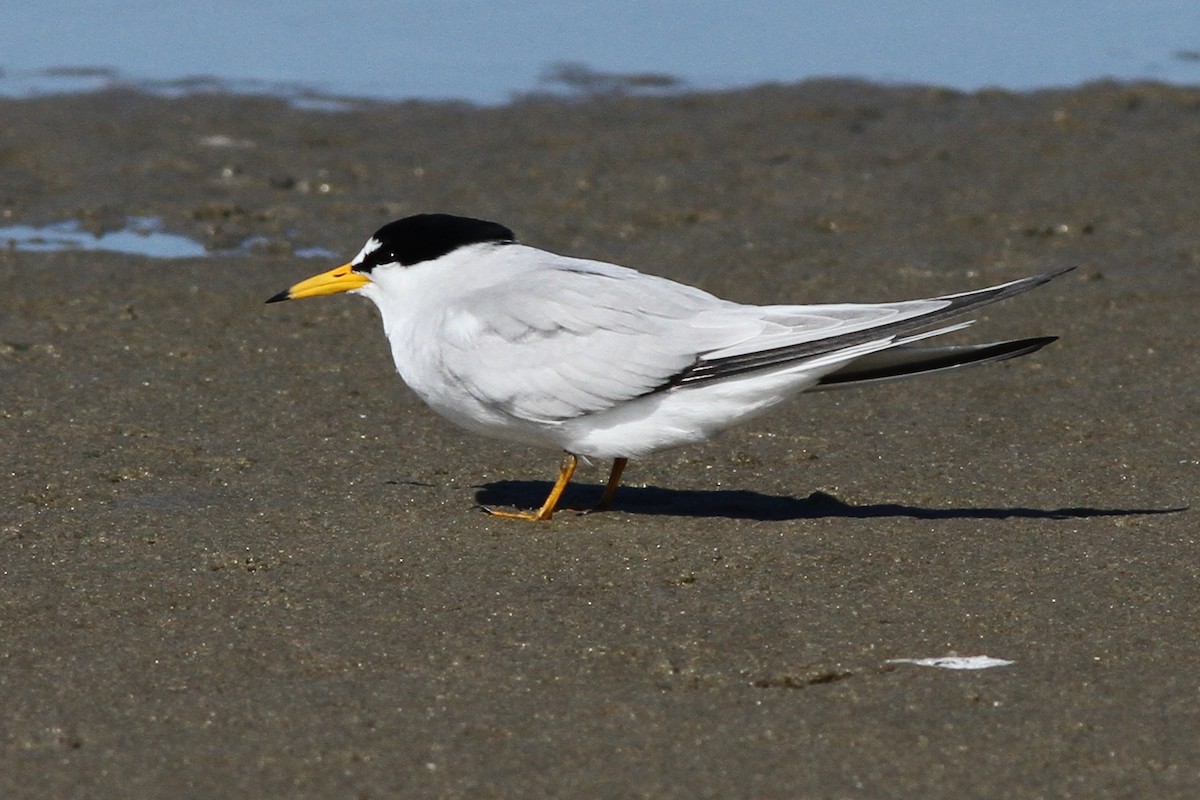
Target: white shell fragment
{"type": "Point", "coordinates": [954, 662]}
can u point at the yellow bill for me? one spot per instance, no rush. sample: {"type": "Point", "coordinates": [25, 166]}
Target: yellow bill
{"type": "Point", "coordinates": [341, 279]}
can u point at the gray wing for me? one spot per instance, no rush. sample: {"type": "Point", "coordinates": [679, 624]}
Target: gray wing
{"type": "Point", "coordinates": [553, 344]}
{"type": "Point", "coordinates": [863, 324]}
{"type": "Point", "coordinates": [579, 337]}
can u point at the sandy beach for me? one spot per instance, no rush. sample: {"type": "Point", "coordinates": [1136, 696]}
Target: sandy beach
{"type": "Point", "coordinates": [239, 558]}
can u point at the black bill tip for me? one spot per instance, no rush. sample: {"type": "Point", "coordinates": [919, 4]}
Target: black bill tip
{"type": "Point", "coordinates": [279, 298]}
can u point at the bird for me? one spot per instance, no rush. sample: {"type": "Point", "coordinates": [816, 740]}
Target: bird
{"type": "Point", "coordinates": [604, 362]}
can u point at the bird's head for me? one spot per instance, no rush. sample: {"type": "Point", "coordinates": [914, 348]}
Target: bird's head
{"type": "Point", "coordinates": [403, 243]}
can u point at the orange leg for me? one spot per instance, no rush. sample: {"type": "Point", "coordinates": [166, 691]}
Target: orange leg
{"type": "Point", "coordinates": [547, 510]}
{"type": "Point", "coordinates": [614, 482]}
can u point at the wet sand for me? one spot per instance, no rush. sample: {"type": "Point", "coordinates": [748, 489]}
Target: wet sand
{"type": "Point", "coordinates": [239, 558]}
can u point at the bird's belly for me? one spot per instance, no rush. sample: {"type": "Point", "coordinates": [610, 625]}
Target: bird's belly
{"type": "Point", "coordinates": [678, 417]}
{"type": "Point", "coordinates": [629, 429]}
{"type": "Point", "coordinates": [463, 409]}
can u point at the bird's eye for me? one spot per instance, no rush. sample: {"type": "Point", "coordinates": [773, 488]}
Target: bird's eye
{"type": "Point", "coordinates": [374, 259]}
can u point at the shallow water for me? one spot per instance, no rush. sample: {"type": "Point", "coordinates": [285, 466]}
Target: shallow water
{"type": "Point", "coordinates": [141, 236]}
{"type": "Point", "coordinates": [488, 53]}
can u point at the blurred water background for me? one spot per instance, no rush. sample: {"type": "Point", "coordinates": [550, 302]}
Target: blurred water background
{"type": "Point", "coordinates": [491, 52]}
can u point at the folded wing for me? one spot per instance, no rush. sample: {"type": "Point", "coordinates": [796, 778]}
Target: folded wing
{"type": "Point", "coordinates": [558, 343]}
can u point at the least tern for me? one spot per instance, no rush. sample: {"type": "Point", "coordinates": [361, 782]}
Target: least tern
{"type": "Point", "coordinates": [605, 362]}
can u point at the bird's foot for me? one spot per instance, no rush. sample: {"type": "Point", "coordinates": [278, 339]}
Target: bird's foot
{"type": "Point", "coordinates": [541, 515]}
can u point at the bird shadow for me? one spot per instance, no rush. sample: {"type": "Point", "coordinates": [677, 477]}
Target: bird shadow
{"type": "Point", "coordinates": [749, 505]}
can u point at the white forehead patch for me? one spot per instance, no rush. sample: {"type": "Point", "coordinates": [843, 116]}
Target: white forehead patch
{"type": "Point", "coordinates": [371, 246]}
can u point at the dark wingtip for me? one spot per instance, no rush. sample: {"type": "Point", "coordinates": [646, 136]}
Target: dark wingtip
{"type": "Point", "coordinates": [930, 360]}
{"type": "Point", "coordinates": [1002, 351]}
{"type": "Point", "coordinates": [279, 298]}
{"type": "Point", "coordinates": [1037, 343]}
{"type": "Point", "coordinates": [1033, 281]}
{"type": "Point", "coordinates": [1049, 276]}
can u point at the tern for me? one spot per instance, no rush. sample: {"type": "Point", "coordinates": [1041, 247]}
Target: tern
{"type": "Point", "coordinates": [605, 362]}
